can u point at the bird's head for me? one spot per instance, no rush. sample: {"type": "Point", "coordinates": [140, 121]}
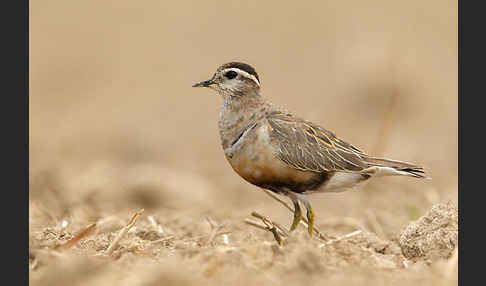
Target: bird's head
{"type": "Point", "coordinates": [233, 79]}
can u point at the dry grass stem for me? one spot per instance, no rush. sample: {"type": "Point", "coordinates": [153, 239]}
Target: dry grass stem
{"type": "Point", "coordinates": [34, 264]}
{"type": "Point", "coordinates": [215, 230]}
{"type": "Point", "coordinates": [161, 240]}
{"type": "Point", "coordinates": [87, 231]}
{"type": "Point", "coordinates": [354, 233]}
{"type": "Point", "coordinates": [268, 222]}
{"type": "Point", "coordinates": [277, 230]}
{"type": "Point", "coordinates": [255, 224]}
{"type": "Point", "coordinates": [276, 235]}
{"type": "Point", "coordinates": [157, 227]}
{"type": "Point", "coordinates": [123, 231]}
{"type": "Point", "coordinates": [303, 221]}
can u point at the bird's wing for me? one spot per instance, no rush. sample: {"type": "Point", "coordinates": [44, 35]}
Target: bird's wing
{"type": "Point", "coordinates": [307, 146]}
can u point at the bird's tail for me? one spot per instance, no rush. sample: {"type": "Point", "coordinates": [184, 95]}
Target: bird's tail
{"type": "Point", "coordinates": [387, 167]}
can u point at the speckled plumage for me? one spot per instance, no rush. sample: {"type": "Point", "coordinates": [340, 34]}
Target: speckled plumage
{"type": "Point", "coordinates": [279, 151]}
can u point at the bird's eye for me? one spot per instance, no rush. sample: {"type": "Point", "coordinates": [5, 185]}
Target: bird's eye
{"type": "Point", "coordinates": [230, 74]}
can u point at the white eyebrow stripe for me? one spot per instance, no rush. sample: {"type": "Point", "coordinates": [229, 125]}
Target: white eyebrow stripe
{"type": "Point", "coordinates": [240, 71]}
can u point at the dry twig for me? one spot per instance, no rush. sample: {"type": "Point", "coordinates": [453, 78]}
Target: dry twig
{"type": "Point", "coordinates": [404, 262]}
{"type": "Point", "coordinates": [354, 233]}
{"type": "Point", "coordinates": [215, 229]}
{"type": "Point", "coordinates": [303, 221]}
{"type": "Point", "coordinates": [277, 230]}
{"type": "Point", "coordinates": [122, 232]}
{"type": "Point", "coordinates": [157, 227]}
{"type": "Point", "coordinates": [68, 244]}
{"type": "Point", "coordinates": [255, 224]}
{"type": "Point", "coordinates": [267, 221]}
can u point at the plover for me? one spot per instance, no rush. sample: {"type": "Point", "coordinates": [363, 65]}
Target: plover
{"type": "Point", "coordinates": [276, 150]}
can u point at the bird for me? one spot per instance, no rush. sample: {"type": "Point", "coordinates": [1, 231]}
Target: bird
{"type": "Point", "coordinates": [276, 150]}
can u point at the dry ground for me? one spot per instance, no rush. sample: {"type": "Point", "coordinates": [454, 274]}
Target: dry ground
{"type": "Point", "coordinates": [116, 127]}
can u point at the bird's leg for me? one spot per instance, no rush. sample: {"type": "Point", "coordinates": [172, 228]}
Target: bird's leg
{"type": "Point", "coordinates": [297, 214]}
{"type": "Point", "coordinates": [310, 214]}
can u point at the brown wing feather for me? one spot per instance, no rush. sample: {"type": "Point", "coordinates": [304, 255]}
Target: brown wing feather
{"type": "Point", "coordinates": [307, 146]}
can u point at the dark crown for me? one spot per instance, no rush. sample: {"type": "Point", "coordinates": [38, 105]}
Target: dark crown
{"type": "Point", "coordinates": [242, 66]}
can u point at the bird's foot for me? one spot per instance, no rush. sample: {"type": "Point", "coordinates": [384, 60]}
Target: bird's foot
{"type": "Point", "coordinates": [310, 219]}
{"type": "Point", "coordinates": [297, 215]}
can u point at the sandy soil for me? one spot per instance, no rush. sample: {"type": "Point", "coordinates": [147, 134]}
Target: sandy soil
{"type": "Point", "coordinates": [115, 127]}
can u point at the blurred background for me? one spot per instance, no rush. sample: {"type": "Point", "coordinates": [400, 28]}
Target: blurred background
{"type": "Point", "coordinates": [115, 124]}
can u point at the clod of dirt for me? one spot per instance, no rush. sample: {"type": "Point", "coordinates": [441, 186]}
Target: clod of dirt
{"type": "Point", "coordinates": [433, 236]}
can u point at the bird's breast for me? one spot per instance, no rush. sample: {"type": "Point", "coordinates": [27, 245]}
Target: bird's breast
{"type": "Point", "coordinates": [253, 158]}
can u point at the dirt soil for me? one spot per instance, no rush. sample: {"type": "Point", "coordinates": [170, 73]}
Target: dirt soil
{"type": "Point", "coordinates": [115, 127]}
{"type": "Point", "coordinates": [170, 250]}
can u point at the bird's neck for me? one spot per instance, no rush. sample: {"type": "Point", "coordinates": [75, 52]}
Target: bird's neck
{"type": "Point", "coordinates": [242, 103]}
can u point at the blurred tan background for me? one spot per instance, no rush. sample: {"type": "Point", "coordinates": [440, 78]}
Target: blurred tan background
{"type": "Point", "coordinates": [114, 122]}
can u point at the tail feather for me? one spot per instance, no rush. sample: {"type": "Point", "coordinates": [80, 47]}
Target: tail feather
{"type": "Point", "coordinates": [393, 167]}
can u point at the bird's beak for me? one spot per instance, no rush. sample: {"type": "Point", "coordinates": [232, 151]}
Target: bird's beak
{"type": "Point", "coordinates": [204, 83]}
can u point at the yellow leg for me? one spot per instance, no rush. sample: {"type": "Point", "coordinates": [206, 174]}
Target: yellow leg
{"type": "Point", "coordinates": [297, 215]}
{"type": "Point", "coordinates": [310, 217]}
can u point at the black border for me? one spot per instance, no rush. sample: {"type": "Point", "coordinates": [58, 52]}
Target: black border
{"type": "Point", "coordinates": [15, 140]}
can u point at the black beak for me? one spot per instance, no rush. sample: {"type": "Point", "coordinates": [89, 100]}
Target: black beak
{"type": "Point", "coordinates": [204, 83]}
